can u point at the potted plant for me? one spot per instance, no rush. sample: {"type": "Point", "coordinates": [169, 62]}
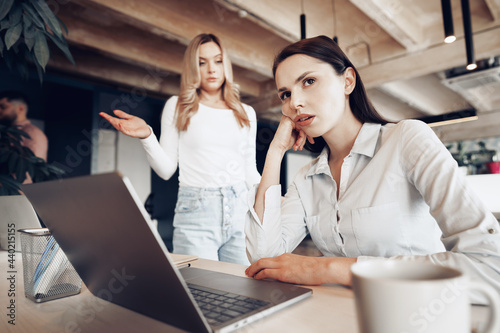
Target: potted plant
{"type": "Point", "coordinates": [25, 28]}
{"type": "Point", "coordinates": [17, 162]}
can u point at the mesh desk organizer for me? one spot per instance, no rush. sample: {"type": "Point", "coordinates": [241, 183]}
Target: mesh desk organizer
{"type": "Point", "coordinates": [47, 272]}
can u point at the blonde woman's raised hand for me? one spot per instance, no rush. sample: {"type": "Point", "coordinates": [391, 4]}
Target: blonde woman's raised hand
{"type": "Point", "coordinates": [289, 135]}
{"type": "Point", "coordinates": [127, 124]}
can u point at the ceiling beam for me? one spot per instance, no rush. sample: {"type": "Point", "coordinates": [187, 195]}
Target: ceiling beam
{"type": "Point", "coordinates": [396, 19]}
{"type": "Point", "coordinates": [182, 20]}
{"type": "Point", "coordinates": [391, 108]}
{"type": "Point", "coordinates": [271, 15]}
{"type": "Point", "coordinates": [131, 45]}
{"type": "Point", "coordinates": [94, 67]}
{"type": "Point", "coordinates": [426, 94]}
{"type": "Point", "coordinates": [431, 60]}
{"type": "Point", "coordinates": [494, 8]}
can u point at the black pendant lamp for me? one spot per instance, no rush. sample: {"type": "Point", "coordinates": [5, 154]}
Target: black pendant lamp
{"type": "Point", "coordinates": [469, 45]}
{"type": "Point", "coordinates": [449, 34]}
{"type": "Point", "coordinates": [302, 22]}
{"type": "Point", "coordinates": [335, 38]}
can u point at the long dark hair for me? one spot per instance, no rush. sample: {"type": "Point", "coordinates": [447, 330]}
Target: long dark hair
{"type": "Point", "coordinates": [325, 49]}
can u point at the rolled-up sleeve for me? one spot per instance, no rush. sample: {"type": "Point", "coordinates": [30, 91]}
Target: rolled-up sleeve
{"type": "Point", "coordinates": [471, 234]}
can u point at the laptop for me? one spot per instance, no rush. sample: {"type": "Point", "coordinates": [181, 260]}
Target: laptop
{"type": "Point", "coordinates": [16, 213]}
{"type": "Point", "coordinates": [103, 229]}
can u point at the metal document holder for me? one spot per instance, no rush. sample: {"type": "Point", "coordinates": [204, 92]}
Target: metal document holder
{"type": "Point", "coordinates": [47, 272]}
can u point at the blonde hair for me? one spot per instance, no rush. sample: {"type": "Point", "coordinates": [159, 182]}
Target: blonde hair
{"type": "Point", "coordinates": [189, 96]}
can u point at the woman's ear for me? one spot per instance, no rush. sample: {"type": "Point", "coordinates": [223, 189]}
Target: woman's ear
{"type": "Point", "coordinates": [349, 80]}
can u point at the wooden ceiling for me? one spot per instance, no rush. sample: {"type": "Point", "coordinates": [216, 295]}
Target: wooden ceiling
{"type": "Point", "coordinates": [397, 46]}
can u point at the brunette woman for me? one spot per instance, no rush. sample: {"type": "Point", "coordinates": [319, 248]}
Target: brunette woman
{"type": "Point", "coordinates": [377, 191]}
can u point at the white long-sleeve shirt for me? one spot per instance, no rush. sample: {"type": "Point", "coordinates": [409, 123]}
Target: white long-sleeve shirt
{"type": "Point", "coordinates": [401, 197]}
{"type": "Point", "coordinates": [214, 151]}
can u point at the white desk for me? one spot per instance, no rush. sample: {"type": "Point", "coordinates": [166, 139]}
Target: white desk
{"type": "Point", "coordinates": [331, 308]}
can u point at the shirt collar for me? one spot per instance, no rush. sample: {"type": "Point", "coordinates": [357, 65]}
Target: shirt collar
{"type": "Point", "coordinates": [367, 139]}
{"type": "Point", "coordinates": [365, 144]}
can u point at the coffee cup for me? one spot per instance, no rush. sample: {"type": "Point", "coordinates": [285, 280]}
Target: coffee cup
{"type": "Point", "coordinates": [415, 297]}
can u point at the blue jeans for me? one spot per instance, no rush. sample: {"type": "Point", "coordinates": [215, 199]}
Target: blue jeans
{"type": "Point", "coordinates": [209, 223]}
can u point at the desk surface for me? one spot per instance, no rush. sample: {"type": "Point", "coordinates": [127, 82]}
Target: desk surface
{"type": "Point", "coordinates": [331, 308]}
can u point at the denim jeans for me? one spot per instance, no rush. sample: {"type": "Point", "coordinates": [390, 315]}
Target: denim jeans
{"type": "Point", "coordinates": [209, 223]}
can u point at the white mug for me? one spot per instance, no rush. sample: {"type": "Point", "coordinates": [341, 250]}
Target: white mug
{"type": "Point", "coordinates": [415, 297]}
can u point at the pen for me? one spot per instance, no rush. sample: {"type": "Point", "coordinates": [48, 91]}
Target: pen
{"type": "Point", "coordinates": [183, 266]}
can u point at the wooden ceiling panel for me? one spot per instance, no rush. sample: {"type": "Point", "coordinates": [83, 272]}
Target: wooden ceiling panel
{"type": "Point", "coordinates": [494, 8]}
{"type": "Point", "coordinates": [397, 46]}
{"type": "Point", "coordinates": [396, 18]}
{"type": "Point", "coordinates": [182, 20]}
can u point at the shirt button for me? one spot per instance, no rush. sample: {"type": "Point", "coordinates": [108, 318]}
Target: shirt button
{"type": "Point", "coordinates": [491, 231]}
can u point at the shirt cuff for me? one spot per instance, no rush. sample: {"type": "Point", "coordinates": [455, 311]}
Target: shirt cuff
{"type": "Point", "coordinates": [272, 201]}
{"type": "Point", "coordinates": [151, 138]}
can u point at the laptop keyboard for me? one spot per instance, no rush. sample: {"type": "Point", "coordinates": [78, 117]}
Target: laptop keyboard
{"type": "Point", "coordinates": [220, 306]}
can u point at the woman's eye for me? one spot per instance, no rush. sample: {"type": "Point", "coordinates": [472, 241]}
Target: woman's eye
{"type": "Point", "coordinates": [284, 95]}
{"type": "Point", "coordinates": [202, 63]}
{"type": "Point", "coordinates": [219, 61]}
{"type": "Point", "coordinates": [308, 82]}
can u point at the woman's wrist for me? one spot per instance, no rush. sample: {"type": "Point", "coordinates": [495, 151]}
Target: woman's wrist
{"type": "Point", "coordinates": [338, 270]}
{"type": "Point", "coordinates": [147, 130]}
{"type": "Point", "coordinates": [276, 150]}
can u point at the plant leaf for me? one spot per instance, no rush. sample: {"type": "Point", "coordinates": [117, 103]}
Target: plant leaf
{"type": "Point", "coordinates": [13, 158]}
{"type": "Point", "coordinates": [12, 35]}
{"type": "Point", "coordinates": [5, 6]}
{"type": "Point", "coordinates": [41, 49]}
{"type": "Point", "coordinates": [27, 22]}
{"type": "Point", "coordinates": [39, 71]}
{"type": "Point", "coordinates": [21, 171]}
{"type": "Point", "coordinates": [29, 35]}
{"type": "Point", "coordinates": [63, 46]}
{"type": "Point", "coordinates": [16, 14]}
{"type": "Point", "coordinates": [8, 185]}
{"type": "Point", "coordinates": [48, 16]}
{"type": "Point", "coordinates": [4, 24]}
{"type": "Point", "coordinates": [31, 12]}
{"type": "Point", "coordinates": [63, 25]}
{"type": "Point", "coordinates": [1, 47]}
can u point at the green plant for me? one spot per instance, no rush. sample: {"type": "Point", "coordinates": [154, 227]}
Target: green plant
{"type": "Point", "coordinates": [25, 26]}
{"type": "Point", "coordinates": [17, 161]}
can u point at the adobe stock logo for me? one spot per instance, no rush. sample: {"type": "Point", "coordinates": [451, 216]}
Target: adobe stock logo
{"type": "Point", "coordinates": [451, 292]}
{"type": "Point", "coordinates": [87, 310]}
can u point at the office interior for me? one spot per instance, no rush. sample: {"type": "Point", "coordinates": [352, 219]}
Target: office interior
{"type": "Point", "coordinates": [128, 56]}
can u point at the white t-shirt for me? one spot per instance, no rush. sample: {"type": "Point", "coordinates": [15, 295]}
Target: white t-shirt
{"type": "Point", "coordinates": [401, 197]}
{"type": "Point", "coordinates": [214, 151]}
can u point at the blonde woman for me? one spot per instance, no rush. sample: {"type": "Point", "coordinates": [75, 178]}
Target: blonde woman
{"type": "Point", "coordinates": [210, 135]}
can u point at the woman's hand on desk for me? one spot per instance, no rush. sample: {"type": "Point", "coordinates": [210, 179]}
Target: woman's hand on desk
{"type": "Point", "coordinates": [127, 124]}
{"type": "Point", "coordinates": [298, 269]}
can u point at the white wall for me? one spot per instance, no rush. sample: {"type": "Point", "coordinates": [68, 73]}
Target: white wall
{"type": "Point", "coordinates": [487, 187]}
{"type": "Point", "coordinates": [118, 152]}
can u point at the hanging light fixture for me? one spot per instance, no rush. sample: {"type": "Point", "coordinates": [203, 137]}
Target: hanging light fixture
{"type": "Point", "coordinates": [302, 22]}
{"type": "Point", "coordinates": [335, 38]}
{"type": "Point", "coordinates": [469, 46]}
{"type": "Point", "coordinates": [449, 35]}
{"type": "Point", "coordinates": [451, 118]}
